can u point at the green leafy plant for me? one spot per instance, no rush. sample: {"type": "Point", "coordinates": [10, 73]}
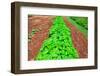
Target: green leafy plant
{"type": "Point", "coordinates": [32, 33]}
{"type": "Point", "coordinates": [59, 43]}
{"type": "Point", "coordinates": [82, 21]}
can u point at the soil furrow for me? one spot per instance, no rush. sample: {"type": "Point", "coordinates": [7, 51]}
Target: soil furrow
{"type": "Point", "coordinates": [79, 40]}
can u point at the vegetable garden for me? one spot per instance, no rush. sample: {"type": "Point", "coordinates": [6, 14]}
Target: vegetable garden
{"type": "Point", "coordinates": [63, 38]}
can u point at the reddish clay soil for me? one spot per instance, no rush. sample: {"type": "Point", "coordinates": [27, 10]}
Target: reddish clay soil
{"type": "Point", "coordinates": [79, 40]}
{"type": "Point", "coordinates": [43, 24]}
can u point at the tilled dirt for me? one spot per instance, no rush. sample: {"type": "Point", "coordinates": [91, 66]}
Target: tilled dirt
{"type": "Point", "coordinates": [79, 40]}
{"type": "Point", "coordinates": [43, 24]}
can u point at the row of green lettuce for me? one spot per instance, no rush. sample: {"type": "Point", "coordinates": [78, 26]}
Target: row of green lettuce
{"type": "Point", "coordinates": [81, 23]}
{"type": "Point", "coordinates": [59, 44]}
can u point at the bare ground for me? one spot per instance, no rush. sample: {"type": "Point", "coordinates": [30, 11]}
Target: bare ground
{"type": "Point", "coordinates": [43, 24]}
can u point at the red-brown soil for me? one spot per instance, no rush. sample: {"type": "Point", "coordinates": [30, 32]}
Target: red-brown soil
{"type": "Point", "coordinates": [79, 40]}
{"type": "Point", "coordinates": [41, 23]}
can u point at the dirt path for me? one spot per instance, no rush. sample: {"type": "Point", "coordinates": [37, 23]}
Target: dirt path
{"type": "Point", "coordinates": [79, 41]}
{"type": "Point", "coordinates": [41, 23]}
